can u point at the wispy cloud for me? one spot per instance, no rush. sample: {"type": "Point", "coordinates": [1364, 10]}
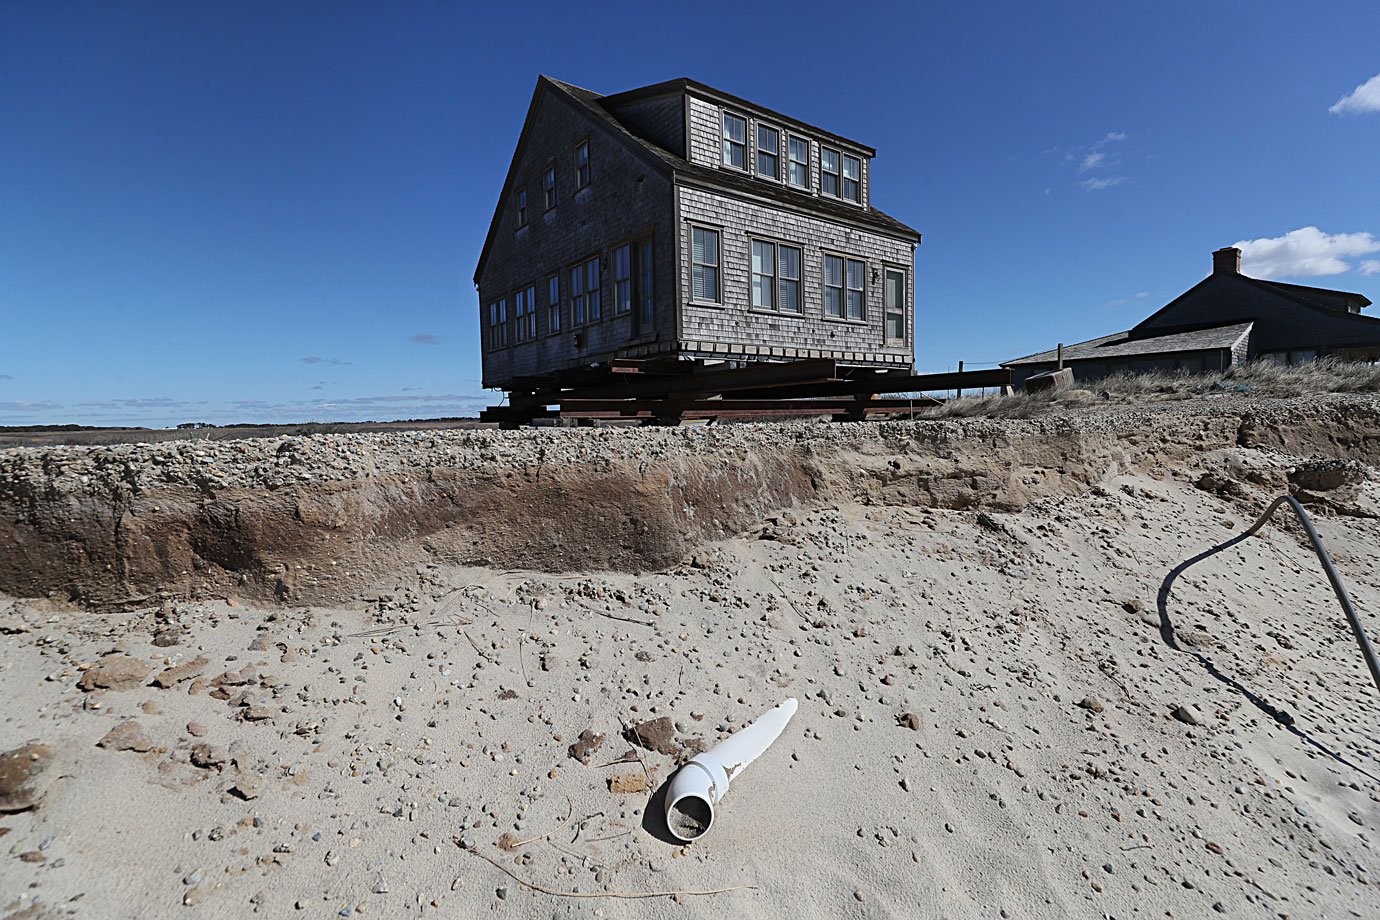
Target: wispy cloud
{"type": "Point", "coordinates": [330, 362]}
{"type": "Point", "coordinates": [23, 405]}
{"type": "Point", "coordinates": [424, 338]}
{"type": "Point", "coordinates": [1362, 99]}
{"type": "Point", "coordinates": [6, 376]}
{"type": "Point", "coordinates": [1307, 251]}
{"type": "Point", "coordinates": [1102, 157]}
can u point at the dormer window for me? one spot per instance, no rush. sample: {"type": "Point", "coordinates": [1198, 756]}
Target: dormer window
{"type": "Point", "coordinates": [798, 167]}
{"type": "Point", "coordinates": [735, 141]}
{"type": "Point", "coordinates": [768, 152]}
{"type": "Point", "coordinates": [852, 178]}
{"type": "Point", "coordinates": [828, 172]}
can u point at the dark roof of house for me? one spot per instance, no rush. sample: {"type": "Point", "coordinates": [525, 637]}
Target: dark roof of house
{"type": "Point", "coordinates": [1313, 296]}
{"type": "Point", "coordinates": [732, 181]}
{"type": "Point", "coordinates": [1127, 345]}
{"type": "Point", "coordinates": [682, 170]}
{"type": "Point", "coordinates": [684, 84]}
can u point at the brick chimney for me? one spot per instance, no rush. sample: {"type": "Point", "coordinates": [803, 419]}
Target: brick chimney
{"type": "Point", "coordinates": [1226, 261]}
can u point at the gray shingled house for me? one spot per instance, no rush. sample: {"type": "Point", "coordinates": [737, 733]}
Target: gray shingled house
{"type": "Point", "coordinates": [678, 221]}
{"type": "Point", "coordinates": [1221, 321]}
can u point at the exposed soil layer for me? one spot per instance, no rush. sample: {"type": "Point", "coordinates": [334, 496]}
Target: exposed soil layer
{"type": "Point", "coordinates": [314, 519]}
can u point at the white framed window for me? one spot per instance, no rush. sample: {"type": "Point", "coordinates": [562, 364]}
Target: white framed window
{"type": "Point", "coordinates": [856, 292]}
{"type": "Point", "coordinates": [788, 279]}
{"type": "Point", "coordinates": [894, 303]}
{"type": "Point", "coordinates": [798, 165]}
{"type": "Point", "coordinates": [521, 199]}
{"type": "Point", "coordinates": [622, 279]}
{"type": "Point", "coordinates": [833, 286]}
{"type": "Point", "coordinates": [852, 178]}
{"type": "Point", "coordinates": [768, 152]}
{"type": "Point", "coordinates": [553, 304]}
{"type": "Point", "coordinates": [763, 275]}
{"type": "Point", "coordinates": [498, 324]}
{"type": "Point", "coordinates": [828, 171]}
{"type": "Point", "coordinates": [548, 185]}
{"type": "Point", "coordinates": [735, 141]}
{"type": "Point", "coordinates": [581, 165]}
{"type": "Point", "coordinates": [704, 264]}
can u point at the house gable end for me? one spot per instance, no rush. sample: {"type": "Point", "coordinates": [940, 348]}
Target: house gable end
{"type": "Point", "coordinates": [549, 92]}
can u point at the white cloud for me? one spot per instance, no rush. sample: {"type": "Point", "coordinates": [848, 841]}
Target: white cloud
{"type": "Point", "coordinates": [1097, 185]}
{"type": "Point", "coordinates": [1305, 251]}
{"type": "Point", "coordinates": [1364, 98]}
{"type": "Point", "coordinates": [1114, 136]}
{"type": "Point", "coordinates": [1092, 161]}
{"type": "Point", "coordinates": [1370, 267]}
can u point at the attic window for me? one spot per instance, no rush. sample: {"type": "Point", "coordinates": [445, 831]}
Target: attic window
{"type": "Point", "coordinates": [548, 184]}
{"type": "Point", "coordinates": [829, 171]}
{"type": "Point", "coordinates": [735, 141]}
{"type": "Point", "coordinates": [768, 152]}
{"type": "Point", "coordinates": [852, 178]}
{"type": "Point", "coordinates": [581, 165]}
{"type": "Point", "coordinates": [522, 206]}
{"type": "Point", "coordinates": [798, 169]}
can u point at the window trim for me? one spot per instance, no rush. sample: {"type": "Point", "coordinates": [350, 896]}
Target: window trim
{"type": "Point", "coordinates": [724, 116]}
{"type": "Point", "coordinates": [799, 281]}
{"type": "Point", "coordinates": [520, 203]}
{"type": "Point", "coordinates": [848, 289]}
{"type": "Point", "coordinates": [549, 195]}
{"type": "Point", "coordinates": [888, 267]}
{"type": "Point", "coordinates": [613, 276]}
{"type": "Point", "coordinates": [718, 266]}
{"type": "Point", "coordinates": [758, 127]}
{"type": "Point", "coordinates": [824, 285]}
{"type": "Point", "coordinates": [589, 160]}
{"type": "Point", "coordinates": [807, 187]}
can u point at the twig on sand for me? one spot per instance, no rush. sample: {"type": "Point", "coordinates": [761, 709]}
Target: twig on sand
{"type": "Point", "coordinates": [536, 886]}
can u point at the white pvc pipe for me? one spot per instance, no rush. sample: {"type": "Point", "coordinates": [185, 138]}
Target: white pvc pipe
{"type": "Point", "coordinates": [704, 779]}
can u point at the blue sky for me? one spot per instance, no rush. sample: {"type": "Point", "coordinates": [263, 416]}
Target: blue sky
{"type": "Point", "coordinates": [272, 211]}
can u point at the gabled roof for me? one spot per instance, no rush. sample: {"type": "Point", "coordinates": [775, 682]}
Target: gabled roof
{"type": "Point", "coordinates": [685, 84]}
{"type": "Point", "coordinates": [596, 106]}
{"type": "Point", "coordinates": [1127, 345]}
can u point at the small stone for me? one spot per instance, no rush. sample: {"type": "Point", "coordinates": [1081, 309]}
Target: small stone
{"type": "Point", "coordinates": [196, 729]}
{"type": "Point", "coordinates": [908, 720]}
{"type": "Point", "coordinates": [208, 756]}
{"type": "Point", "coordinates": [858, 895]}
{"type": "Point", "coordinates": [22, 772]}
{"type": "Point", "coordinates": [1092, 704]}
{"type": "Point", "coordinates": [627, 783]}
{"type": "Point", "coordinates": [247, 786]}
{"type": "Point", "coordinates": [127, 736]}
{"type": "Point", "coordinates": [585, 746]}
{"type": "Point", "coordinates": [114, 672]}
{"type": "Point", "coordinates": [178, 673]}
{"type": "Point", "coordinates": [1188, 715]}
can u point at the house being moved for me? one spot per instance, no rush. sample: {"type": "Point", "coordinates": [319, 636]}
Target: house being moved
{"type": "Point", "coordinates": [1221, 321]}
{"type": "Point", "coordinates": [677, 221]}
